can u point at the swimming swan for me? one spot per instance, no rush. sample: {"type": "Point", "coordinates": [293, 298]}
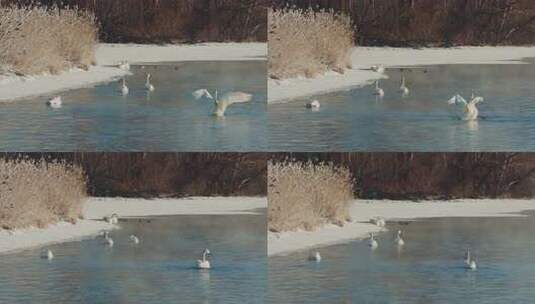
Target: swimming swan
{"type": "Point", "coordinates": [225, 101]}
{"type": "Point", "coordinates": [378, 68]}
{"type": "Point", "coordinates": [149, 85]}
{"type": "Point", "coordinates": [372, 242]}
{"type": "Point", "coordinates": [378, 91]}
{"type": "Point", "coordinates": [314, 256]}
{"type": "Point", "coordinates": [108, 240]}
{"type": "Point", "coordinates": [469, 263]}
{"type": "Point", "coordinates": [398, 239]}
{"type": "Point", "coordinates": [134, 239]}
{"type": "Point", "coordinates": [47, 254]}
{"type": "Point", "coordinates": [204, 263]}
{"type": "Point", "coordinates": [469, 109]}
{"type": "Point", "coordinates": [54, 102]}
{"type": "Point", "coordinates": [314, 104]}
{"type": "Point", "coordinates": [123, 88]}
{"type": "Point", "coordinates": [403, 88]}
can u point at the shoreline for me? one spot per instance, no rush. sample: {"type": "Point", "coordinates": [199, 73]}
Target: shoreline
{"type": "Point", "coordinates": [96, 208]}
{"type": "Point", "coordinates": [16, 87]}
{"type": "Point", "coordinates": [362, 211]}
{"type": "Point", "coordinates": [363, 58]}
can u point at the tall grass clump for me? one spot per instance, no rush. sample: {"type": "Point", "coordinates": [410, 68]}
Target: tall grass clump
{"type": "Point", "coordinates": [39, 39]}
{"type": "Point", "coordinates": [307, 42]}
{"type": "Point", "coordinates": [35, 193]}
{"type": "Point", "coordinates": [304, 195]}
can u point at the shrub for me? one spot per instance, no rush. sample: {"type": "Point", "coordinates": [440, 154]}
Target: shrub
{"type": "Point", "coordinates": [37, 39]}
{"type": "Point", "coordinates": [307, 42]}
{"type": "Point", "coordinates": [38, 193]}
{"type": "Point", "coordinates": [307, 195]}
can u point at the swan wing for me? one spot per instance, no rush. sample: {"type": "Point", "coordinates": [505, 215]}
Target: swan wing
{"type": "Point", "coordinates": [457, 100]}
{"type": "Point", "coordinates": [198, 94]}
{"type": "Point", "coordinates": [477, 100]}
{"type": "Point", "coordinates": [235, 97]}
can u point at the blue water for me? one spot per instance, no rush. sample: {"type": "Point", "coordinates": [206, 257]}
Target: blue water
{"type": "Point", "coordinates": [355, 120]}
{"type": "Point", "coordinates": [158, 270]}
{"type": "Point", "coordinates": [169, 119]}
{"type": "Point", "coordinates": [429, 268]}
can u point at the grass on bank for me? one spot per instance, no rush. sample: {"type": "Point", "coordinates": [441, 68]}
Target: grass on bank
{"type": "Point", "coordinates": [304, 195]}
{"type": "Point", "coordinates": [307, 42]}
{"type": "Point", "coordinates": [38, 39]}
{"type": "Point", "coordinates": [39, 193]}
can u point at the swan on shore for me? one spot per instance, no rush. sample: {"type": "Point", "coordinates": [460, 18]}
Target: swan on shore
{"type": "Point", "coordinates": [468, 110]}
{"type": "Point", "coordinates": [469, 263]}
{"type": "Point", "coordinates": [134, 239]}
{"type": "Point", "coordinates": [314, 256]}
{"type": "Point", "coordinates": [378, 91]}
{"type": "Point", "coordinates": [204, 263]}
{"type": "Point", "coordinates": [47, 254]}
{"type": "Point", "coordinates": [55, 102]}
{"type": "Point", "coordinates": [314, 104]}
{"type": "Point", "coordinates": [378, 221]}
{"type": "Point", "coordinates": [123, 88]}
{"type": "Point", "coordinates": [124, 65]}
{"type": "Point", "coordinates": [112, 219]}
{"type": "Point", "coordinates": [403, 88]}
{"type": "Point", "coordinates": [378, 68]}
{"type": "Point", "coordinates": [221, 104]}
{"type": "Point", "coordinates": [372, 242]}
{"type": "Point", "coordinates": [149, 85]}
{"type": "Point", "coordinates": [398, 239]}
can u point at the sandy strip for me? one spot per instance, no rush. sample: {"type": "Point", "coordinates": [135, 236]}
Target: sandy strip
{"type": "Point", "coordinates": [364, 57]}
{"type": "Point", "coordinates": [96, 208]}
{"type": "Point", "coordinates": [14, 87]}
{"type": "Point", "coordinates": [362, 211]}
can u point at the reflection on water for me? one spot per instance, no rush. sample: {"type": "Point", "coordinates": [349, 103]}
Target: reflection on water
{"type": "Point", "coordinates": [168, 119]}
{"type": "Point", "coordinates": [428, 269]}
{"type": "Point", "coordinates": [423, 121]}
{"type": "Point", "coordinates": [158, 270]}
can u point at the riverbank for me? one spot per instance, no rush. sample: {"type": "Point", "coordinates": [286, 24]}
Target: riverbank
{"type": "Point", "coordinates": [96, 208]}
{"type": "Point", "coordinates": [363, 58]}
{"type": "Point", "coordinates": [362, 211]}
{"type": "Point", "coordinates": [14, 87]}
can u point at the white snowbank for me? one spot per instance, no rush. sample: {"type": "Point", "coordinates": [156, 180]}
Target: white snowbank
{"type": "Point", "coordinates": [96, 208]}
{"type": "Point", "coordinates": [363, 58]}
{"type": "Point", "coordinates": [15, 87]}
{"type": "Point", "coordinates": [362, 211]}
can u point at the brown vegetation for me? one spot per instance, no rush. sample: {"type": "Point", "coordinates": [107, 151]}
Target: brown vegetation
{"type": "Point", "coordinates": [38, 193]}
{"type": "Point", "coordinates": [432, 22]}
{"type": "Point", "coordinates": [164, 21]}
{"type": "Point", "coordinates": [306, 195]}
{"type": "Point", "coordinates": [435, 175]}
{"type": "Point", "coordinates": [307, 42]}
{"type": "Point", "coordinates": [37, 39]}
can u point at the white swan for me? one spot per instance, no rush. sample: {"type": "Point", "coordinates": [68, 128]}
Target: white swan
{"type": "Point", "coordinates": [314, 256]}
{"type": "Point", "coordinates": [112, 219]}
{"type": "Point", "coordinates": [54, 102]}
{"type": "Point", "coordinates": [204, 263]}
{"type": "Point", "coordinates": [398, 239]}
{"type": "Point", "coordinates": [124, 65]}
{"type": "Point", "coordinates": [403, 88]}
{"type": "Point", "coordinates": [378, 91]}
{"type": "Point", "coordinates": [123, 88]}
{"type": "Point", "coordinates": [372, 242]}
{"type": "Point", "coordinates": [314, 104]}
{"type": "Point", "coordinates": [222, 103]}
{"type": "Point", "coordinates": [378, 221]}
{"type": "Point", "coordinates": [134, 239]}
{"type": "Point", "coordinates": [47, 254]}
{"type": "Point", "coordinates": [108, 240]}
{"type": "Point", "coordinates": [469, 263]}
{"type": "Point", "coordinates": [149, 85]}
{"type": "Point", "coordinates": [378, 68]}
{"type": "Point", "coordinates": [469, 110]}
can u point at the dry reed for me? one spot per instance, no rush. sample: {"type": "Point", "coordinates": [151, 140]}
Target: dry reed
{"type": "Point", "coordinates": [38, 39]}
{"type": "Point", "coordinates": [37, 193]}
{"type": "Point", "coordinates": [304, 195]}
{"type": "Point", "coordinates": [307, 42]}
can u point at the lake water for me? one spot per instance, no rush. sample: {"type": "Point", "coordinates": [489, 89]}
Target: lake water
{"type": "Point", "coordinates": [355, 120]}
{"type": "Point", "coordinates": [429, 268]}
{"type": "Point", "coordinates": [168, 119]}
{"type": "Point", "coordinates": [158, 270]}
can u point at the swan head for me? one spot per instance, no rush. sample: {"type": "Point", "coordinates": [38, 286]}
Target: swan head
{"type": "Point", "coordinates": [206, 252]}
